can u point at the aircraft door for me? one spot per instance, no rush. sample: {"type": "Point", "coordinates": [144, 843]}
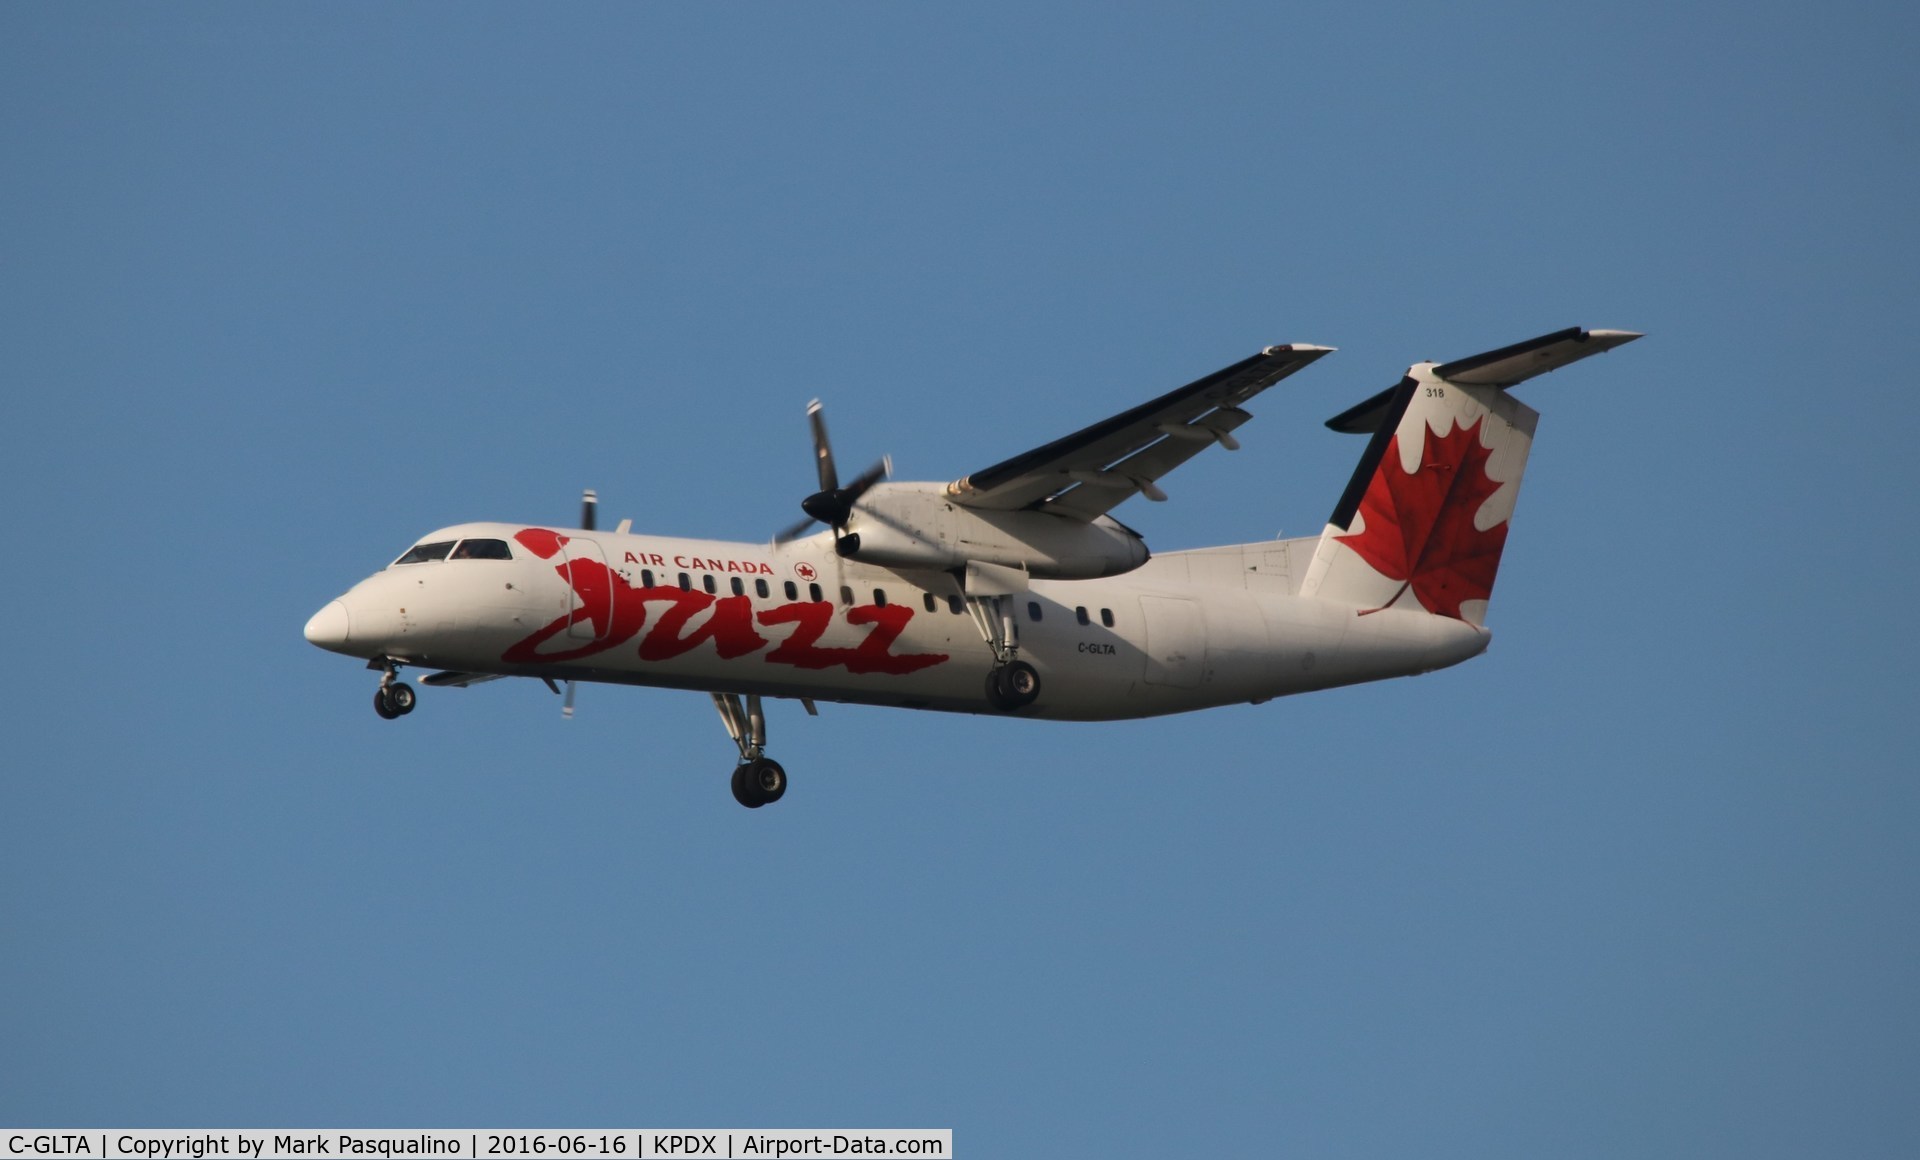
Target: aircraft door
{"type": "Point", "coordinates": [1176, 643]}
{"type": "Point", "coordinates": [590, 603]}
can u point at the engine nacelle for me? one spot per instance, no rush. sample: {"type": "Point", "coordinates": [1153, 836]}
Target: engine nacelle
{"type": "Point", "coordinates": [915, 525]}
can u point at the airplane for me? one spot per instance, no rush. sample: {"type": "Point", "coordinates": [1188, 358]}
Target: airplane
{"type": "Point", "coordinates": [1010, 590]}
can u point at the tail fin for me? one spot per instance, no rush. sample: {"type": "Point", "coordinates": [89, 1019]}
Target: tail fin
{"type": "Point", "coordinates": [1423, 521]}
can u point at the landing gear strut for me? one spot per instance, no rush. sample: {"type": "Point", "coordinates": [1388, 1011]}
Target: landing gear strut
{"type": "Point", "coordinates": [758, 780]}
{"type": "Point", "coordinates": [394, 697]}
{"type": "Point", "coordinates": [1011, 683]}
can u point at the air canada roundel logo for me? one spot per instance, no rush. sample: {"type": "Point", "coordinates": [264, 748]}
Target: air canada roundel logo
{"type": "Point", "coordinates": [806, 571]}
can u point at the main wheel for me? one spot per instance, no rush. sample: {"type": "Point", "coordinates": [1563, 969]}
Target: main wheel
{"type": "Point", "coordinates": [1012, 686]}
{"type": "Point", "coordinates": [1021, 683]}
{"type": "Point", "coordinates": [746, 792]}
{"type": "Point", "coordinates": [382, 705]}
{"type": "Point", "coordinates": [759, 783]}
{"type": "Point", "coordinates": [769, 779]}
{"type": "Point", "coordinates": [400, 696]}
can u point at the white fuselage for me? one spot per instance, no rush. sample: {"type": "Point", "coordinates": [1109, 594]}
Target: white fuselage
{"type": "Point", "coordinates": [1187, 630]}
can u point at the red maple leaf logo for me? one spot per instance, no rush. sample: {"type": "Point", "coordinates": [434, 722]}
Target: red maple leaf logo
{"type": "Point", "coordinates": [1419, 524]}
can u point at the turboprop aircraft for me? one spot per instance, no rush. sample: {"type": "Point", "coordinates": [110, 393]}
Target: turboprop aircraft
{"type": "Point", "coordinates": [1009, 590]}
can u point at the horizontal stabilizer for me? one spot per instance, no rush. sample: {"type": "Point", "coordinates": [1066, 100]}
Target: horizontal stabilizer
{"type": "Point", "coordinates": [1523, 360]}
{"type": "Point", "coordinates": [1495, 368]}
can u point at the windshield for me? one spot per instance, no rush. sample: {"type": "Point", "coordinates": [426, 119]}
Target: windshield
{"type": "Point", "coordinates": [482, 550]}
{"type": "Point", "coordinates": [420, 553]}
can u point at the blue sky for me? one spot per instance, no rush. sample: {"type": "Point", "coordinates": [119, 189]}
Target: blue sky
{"type": "Point", "coordinates": [283, 287]}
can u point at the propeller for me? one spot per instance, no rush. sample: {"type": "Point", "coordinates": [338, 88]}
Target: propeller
{"type": "Point", "coordinates": [832, 505]}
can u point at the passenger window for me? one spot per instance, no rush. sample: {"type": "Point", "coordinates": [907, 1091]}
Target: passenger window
{"type": "Point", "coordinates": [1080, 614]}
{"type": "Point", "coordinates": [846, 594]}
{"type": "Point", "coordinates": [421, 553]}
{"type": "Point", "coordinates": [646, 577]}
{"type": "Point", "coordinates": [793, 591]}
{"type": "Point", "coordinates": [879, 598]}
{"type": "Point", "coordinates": [739, 586]}
{"type": "Point", "coordinates": [1106, 617]}
{"type": "Point", "coordinates": [686, 582]}
{"type": "Point", "coordinates": [814, 594]}
{"type": "Point", "coordinates": [955, 605]}
{"type": "Point", "coordinates": [482, 550]}
{"type": "Point", "coordinates": [1033, 611]}
{"type": "Point", "coordinates": [928, 598]}
{"type": "Point", "coordinates": [760, 588]}
{"type": "Point", "coordinates": [707, 582]}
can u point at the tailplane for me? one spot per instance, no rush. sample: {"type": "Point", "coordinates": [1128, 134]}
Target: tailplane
{"type": "Point", "coordinates": [1423, 521]}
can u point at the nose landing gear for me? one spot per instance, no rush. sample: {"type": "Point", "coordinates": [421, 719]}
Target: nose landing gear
{"type": "Point", "coordinates": [758, 780]}
{"type": "Point", "coordinates": [394, 698]}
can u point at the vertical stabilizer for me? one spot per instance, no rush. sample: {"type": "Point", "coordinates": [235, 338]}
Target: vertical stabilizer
{"type": "Point", "coordinates": [1423, 522]}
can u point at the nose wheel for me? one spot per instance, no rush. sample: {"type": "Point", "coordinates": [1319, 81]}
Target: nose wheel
{"type": "Point", "coordinates": [394, 698]}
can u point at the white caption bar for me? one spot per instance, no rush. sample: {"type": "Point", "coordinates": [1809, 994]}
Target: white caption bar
{"type": "Point", "coordinates": [469, 1143]}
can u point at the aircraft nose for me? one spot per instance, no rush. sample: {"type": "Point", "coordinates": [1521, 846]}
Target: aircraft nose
{"type": "Point", "coordinates": [329, 626]}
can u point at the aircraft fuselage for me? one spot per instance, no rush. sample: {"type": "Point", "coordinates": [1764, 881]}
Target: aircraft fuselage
{"type": "Point", "coordinates": [1185, 631]}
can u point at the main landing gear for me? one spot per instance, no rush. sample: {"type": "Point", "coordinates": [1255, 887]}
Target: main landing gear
{"type": "Point", "coordinates": [758, 780]}
{"type": "Point", "coordinates": [1011, 683]}
{"type": "Point", "coordinates": [394, 697]}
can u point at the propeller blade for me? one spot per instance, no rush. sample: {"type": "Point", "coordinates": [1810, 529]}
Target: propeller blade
{"type": "Point", "coordinates": [794, 531]}
{"type": "Point", "coordinates": [566, 706]}
{"type": "Point", "coordinates": [867, 479]}
{"type": "Point", "coordinates": [822, 450]}
{"type": "Point", "coordinates": [589, 503]}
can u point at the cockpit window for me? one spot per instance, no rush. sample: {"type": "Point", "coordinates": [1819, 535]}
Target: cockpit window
{"type": "Point", "coordinates": [482, 550]}
{"type": "Point", "coordinates": [421, 553]}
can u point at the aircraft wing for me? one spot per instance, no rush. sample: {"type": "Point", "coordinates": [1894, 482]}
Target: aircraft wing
{"type": "Point", "coordinates": [1087, 473]}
